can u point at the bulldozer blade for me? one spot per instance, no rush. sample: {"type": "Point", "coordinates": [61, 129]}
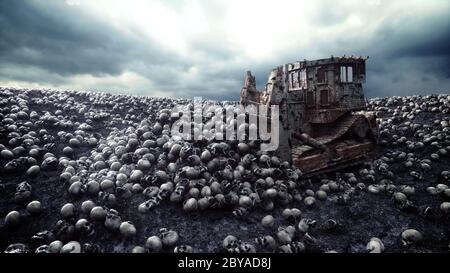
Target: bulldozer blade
{"type": "Point", "coordinates": [345, 156]}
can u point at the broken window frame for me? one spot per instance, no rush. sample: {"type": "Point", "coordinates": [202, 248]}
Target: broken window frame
{"type": "Point", "coordinates": [361, 71]}
{"type": "Point", "coordinates": [310, 98]}
{"type": "Point", "coordinates": [350, 74]}
{"type": "Point", "coordinates": [291, 80]}
{"type": "Point", "coordinates": [321, 75]}
{"type": "Point", "coordinates": [344, 72]}
{"type": "Point", "coordinates": [303, 81]}
{"type": "Point", "coordinates": [295, 80]}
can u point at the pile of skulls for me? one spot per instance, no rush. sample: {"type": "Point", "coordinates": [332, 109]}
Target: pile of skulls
{"type": "Point", "coordinates": [113, 154]}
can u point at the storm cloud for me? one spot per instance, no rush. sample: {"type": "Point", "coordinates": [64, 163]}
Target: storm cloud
{"type": "Point", "coordinates": [203, 48]}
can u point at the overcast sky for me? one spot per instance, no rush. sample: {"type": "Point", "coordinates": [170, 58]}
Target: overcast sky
{"type": "Point", "coordinates": [203, 48]}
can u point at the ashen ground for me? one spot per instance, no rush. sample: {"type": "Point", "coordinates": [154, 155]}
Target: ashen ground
{"type": "Point", "coordinates": [366, 215]}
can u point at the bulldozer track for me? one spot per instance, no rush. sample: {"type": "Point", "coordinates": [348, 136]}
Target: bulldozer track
{"type": "Point", "coordinates": [339, 130]}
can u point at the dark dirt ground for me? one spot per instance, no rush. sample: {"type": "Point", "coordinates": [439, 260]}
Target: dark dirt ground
{"type": "Point", "coordinates": [366, 215]}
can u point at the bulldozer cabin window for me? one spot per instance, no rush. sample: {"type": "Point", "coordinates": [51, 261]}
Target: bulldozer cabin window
{"type": "Point", "coordinates": [294, 80]}
{"type": "Point", "coordinates": [324, 97]}
{"type": "Point", "coordinates": [310, 98]}
{"type": "Point", "coordinates": [361, 70]}
{"type": "Point", "coordinates": [302, 79]}
{"type": "Point", "coordinates": [297, 79]}
{"type": "Point", "coordinates": [346, 74]}
{"type": "Point", "coordinates": [321, 75]}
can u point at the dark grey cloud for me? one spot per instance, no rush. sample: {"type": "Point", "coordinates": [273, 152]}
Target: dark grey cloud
{"type": "Point", "coordinates": [67, 41]}
{"type": "Point", "coordinates": [60, 42]}
{"type": "Point", "coordinates": [51, 43]}
{"type": "Point", "coordinates": [410, 56]}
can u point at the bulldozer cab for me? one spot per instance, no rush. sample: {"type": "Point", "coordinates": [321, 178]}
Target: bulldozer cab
{"type": "Point", "coordinates": [330, 87]}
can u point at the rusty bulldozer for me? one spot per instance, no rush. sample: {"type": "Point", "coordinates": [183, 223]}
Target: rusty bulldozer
{"type": "Point", "coordinates": [323, 122]}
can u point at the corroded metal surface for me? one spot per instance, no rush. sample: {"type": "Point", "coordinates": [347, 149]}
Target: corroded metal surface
{"type": "Point", "coordinates": [249, 91]}
{"type": "Point", "coordinates": [348, 156]}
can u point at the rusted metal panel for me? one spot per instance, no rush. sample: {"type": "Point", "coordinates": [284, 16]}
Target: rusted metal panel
{"type": "Point", "coordinates": [324, 115]}
{"type": "Point", "coordinates": [346, 154]}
